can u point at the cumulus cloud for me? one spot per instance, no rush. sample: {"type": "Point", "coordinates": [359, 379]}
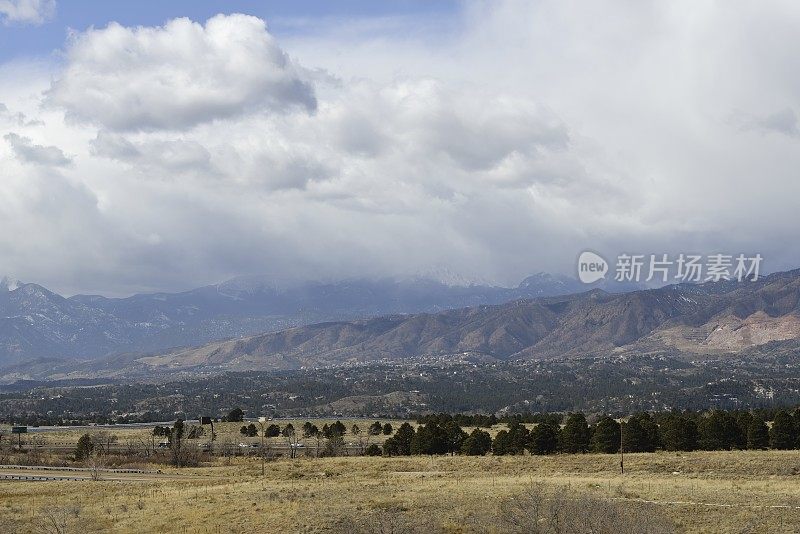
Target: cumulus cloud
{"type": "Point", "coordinates": [178, 75]}
{"type": "Point", "coordinates": [28, 152]}
{"type": "Point", "coordinates": [166, 154]}
{"type": "Point", "coordinates": [16, 117]}
{"type": "Point", "coordinates": [27, 11]}
{"type": "Point", "coordinates": [506, 148]}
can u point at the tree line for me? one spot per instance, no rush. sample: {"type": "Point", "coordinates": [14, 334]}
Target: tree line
{"type": "Point", "coordinates": [641, 432]}
{"type": "Point", "coordinates": [570, 433]}
{"type": "Point", "coordinates": [550, 434]}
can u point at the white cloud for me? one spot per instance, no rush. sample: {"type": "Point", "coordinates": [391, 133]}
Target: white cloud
{"type": "Point", "coordinates": [536, 131]}
{"type": "Point", "coordinates": [28, 152]}
{"type": "Point", "coordinates": [27, 11]}
{"type": "Point", "coordinates": [163, 154]}
{"type": "Point", "coordinates": [178, 75]}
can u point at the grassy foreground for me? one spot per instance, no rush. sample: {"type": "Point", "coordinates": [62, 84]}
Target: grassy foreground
{"type": "Point", "coordinates": [692, 492]}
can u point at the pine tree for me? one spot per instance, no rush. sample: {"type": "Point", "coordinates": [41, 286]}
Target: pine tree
{"type": "Point", "coordinates": [517, 438]}
{"type": "Point", "coordinates": [501, 445]}
{"type": "Point", "coordinates": [652, 439]}
{"type": "Point", "coordinates": [783, 434]}
{"type": "Point", "coordinates": [743, 421]}
{"type": "Point", "coordinates": [757, 434]}
{"type": "Point", "coordinates": [679, 433]}
{"type": "Point", "coordinates": [372, 450]}
{"type": "Point", "coordinates": [575, 435]}
{"type": "Point", "coordinates": [454, 435]}
{"type": "Point", "coordinates": [338, 428]}
{"type": "Point", "coordinates": [606, 436]}
{"type": "Point", "coordinates": [307, 429]}
{"type": "Point", "coordinates": [400, 443]}
{"type": "Point", "coordinates": [84, 447]}
{"type": "Point", "coordinates": [543, 438]}
{"type": "Point", "coordinates": [477, 444]}
{"type": "Point", "coordinates": [718, 431]}
{"type": "Point", "coordinates": [796, 418]}
{"type": "Point", "coordinates": [634, 436]}
{"type": "Point", "coordinates": [430, 439]}
{"type": "Point", "coordinates": [235, 416]}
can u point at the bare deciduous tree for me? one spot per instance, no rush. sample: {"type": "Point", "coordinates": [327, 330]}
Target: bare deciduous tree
{"type": "Point", "coordinates": [95, 464]}
{"type": "Point", "coordinates": [103, 441]}
{"type": "Point", "coordinates": [56, 519]}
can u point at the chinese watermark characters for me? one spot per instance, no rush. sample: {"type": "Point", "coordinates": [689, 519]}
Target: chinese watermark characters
{"type": "Point", "coordinates": [665, 268]}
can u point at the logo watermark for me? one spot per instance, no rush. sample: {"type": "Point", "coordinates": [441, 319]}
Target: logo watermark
{"type": "Point", "coordinates": [591, 267]}
{"type": "Point", "coordinates": [665, 268]}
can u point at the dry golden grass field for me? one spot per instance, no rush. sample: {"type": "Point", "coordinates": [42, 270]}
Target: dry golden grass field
{"type": "Point", "coordinates": [660, 492]}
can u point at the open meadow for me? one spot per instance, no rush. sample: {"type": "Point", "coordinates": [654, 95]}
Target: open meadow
{"type": "Point", "coordinates": [660, 492]}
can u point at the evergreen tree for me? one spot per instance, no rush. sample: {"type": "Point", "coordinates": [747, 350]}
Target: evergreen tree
{"type": "Point", "coordinates": [679, 433]}
{"type": "Point", "coordinates": [575, 435]}
{"type": "Point", "coordinates": [84, 447]}
{"type": "Point", "coordinates": [718, 431]}
{"type": "Point", "coordinates": [338, 429]}
{"type": "Point", "coordinates": [606, 436]}
{"type": "Point", "coordinates": [387, 429]}
{"type": "Point", "coordinates": [652, 433]}
{"type": "Point", "coordinates": [640, 434]}
{"type": "Point", "coordinates": [743, 421]}
{"type": "Point", "coordinates": [454, 435]}
{"type": "Point", "coordinates": [372, 450]}
{"type": "Point", "coordinates": [478, 443]}
{"type": "Point", "coordinates": [400, 443]}
{"type": "Point", "coordinates": [634, 437]}
{"type": "Point", "coordinates": [516, 438]}
{"type": "Point", "coordinates": [430, 439]}
{"type": "Point", "coordinates": [783, 434]}
{"type": "Point", "coordinates": [757, 434]}
{"type": "Point", "coordinates": [796, 418]}
{"type": "Point", "coordinates": [501, 445]}
{"type": "Point", "coordinates": [543, 438]}
{"type": "Point", "coordinates": [272, 431]}
{"type": "Point", "coordinates": [375, 428]}
{"type": "Point", "coordinates": [307, 429]}
{"type": "Point", "coordinates": [235, 416]}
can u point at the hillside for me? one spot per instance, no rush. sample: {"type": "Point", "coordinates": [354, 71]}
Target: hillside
{"type": "Point", "coordinates": [690, 320]}
{"type": "Point", "coordinates": [36, 323]}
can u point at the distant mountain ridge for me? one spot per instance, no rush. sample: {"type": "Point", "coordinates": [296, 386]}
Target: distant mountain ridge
{"type": "Point", "coordinates": [690, 320]}
{"type": "Point", "coordinates": [37, 323]}
{"type": "Point", "coordinates": [682, 321]}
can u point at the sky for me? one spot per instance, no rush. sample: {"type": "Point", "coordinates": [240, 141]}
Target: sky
{"type": "Point", "coordinates": [160, 146]}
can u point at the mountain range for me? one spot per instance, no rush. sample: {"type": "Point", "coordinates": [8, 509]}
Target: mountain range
{"type": "Point", "coordinates": [689, 321]}
{"type": "Point", "coordinates": [36, 323]}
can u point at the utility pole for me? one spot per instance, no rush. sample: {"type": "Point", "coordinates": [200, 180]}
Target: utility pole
{"type": "Point", "coordinates": [621, 451]}
{"type": "Point", "coordinates": [261, 422]}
